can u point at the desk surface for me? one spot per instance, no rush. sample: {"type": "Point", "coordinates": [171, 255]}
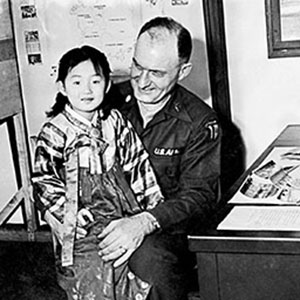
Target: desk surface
{"type": "Point", "coordinates": [263, 241]}
{"type": "Point", "coordinates": [249, 265]}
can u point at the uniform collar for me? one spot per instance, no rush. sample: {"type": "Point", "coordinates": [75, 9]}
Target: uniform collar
{"type": "Point", "coordinates": [176, 108]}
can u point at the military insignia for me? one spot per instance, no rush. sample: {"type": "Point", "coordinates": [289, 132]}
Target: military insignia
{"type": "Point", "coordinates": [166, 151]}
{"type": "Point", "coordinates": [128, 98]}
{"type": "Point", "coordinates": [213, 129]}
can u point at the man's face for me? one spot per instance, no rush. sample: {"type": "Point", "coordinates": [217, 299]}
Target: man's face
{"type": "Point", "coordinates": [155, 67]}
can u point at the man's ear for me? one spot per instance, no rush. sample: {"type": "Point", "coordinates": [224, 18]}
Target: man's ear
{"type": "Point", "coordinates": [61, 88]}
{"type": "Point", "coordinates": [185, 70]}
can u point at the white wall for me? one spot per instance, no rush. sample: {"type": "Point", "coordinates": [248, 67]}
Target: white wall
{"type": "Point", "coordinates": [8, 185]}
{"type": "Point", "coordinates": [265, 93]}
{"type": "Point", "coordinates": [38, 80]}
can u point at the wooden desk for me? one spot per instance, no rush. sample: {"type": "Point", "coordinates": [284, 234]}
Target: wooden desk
{"type": "Point", "coordinates": [250, 265]}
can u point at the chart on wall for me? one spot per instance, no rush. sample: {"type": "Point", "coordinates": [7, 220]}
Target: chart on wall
{"type": "Point", "coordinates": [10, 100]}
{"type": "Point", "coordinates": [45, 29]}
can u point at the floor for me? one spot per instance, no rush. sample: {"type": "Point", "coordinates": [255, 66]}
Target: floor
{"type": "Point", "coordinates": [27, 272]}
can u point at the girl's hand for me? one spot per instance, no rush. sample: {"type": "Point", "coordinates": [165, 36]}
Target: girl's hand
{"type": "Point", "coordinates": [84, 217]}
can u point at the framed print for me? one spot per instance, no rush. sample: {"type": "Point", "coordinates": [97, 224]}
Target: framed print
{"type": "Point", "coordinates": [283, 27]}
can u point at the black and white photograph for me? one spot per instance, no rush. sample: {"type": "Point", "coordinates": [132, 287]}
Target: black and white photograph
{"type": "Point", "coordinates": [150, 149]}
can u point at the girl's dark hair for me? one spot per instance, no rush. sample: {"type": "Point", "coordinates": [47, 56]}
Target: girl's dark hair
{"type": "Point", "coordinates": [70, 60]}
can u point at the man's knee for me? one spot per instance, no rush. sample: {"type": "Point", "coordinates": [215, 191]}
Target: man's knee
{"type": "Point", "coordinates": [162, 255]}
{"type": "Point", "coordinates": [158, 262]}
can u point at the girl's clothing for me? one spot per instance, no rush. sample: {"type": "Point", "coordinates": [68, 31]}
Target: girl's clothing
{"type": "Point", "coordinates": [103, 167]}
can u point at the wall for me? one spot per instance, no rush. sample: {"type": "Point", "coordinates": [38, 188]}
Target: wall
{"type": "Point", "coordinates": [8, 185]}
{"type": "Point", "coordinates": [38, 31]}
{"type": "Point", "coordinates": [111, 27]}
{"type": "Point", "coordinates": [265, 93]}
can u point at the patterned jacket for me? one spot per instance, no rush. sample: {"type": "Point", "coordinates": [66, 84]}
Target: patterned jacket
{"type": "Point", "coordinates": [68, 133]}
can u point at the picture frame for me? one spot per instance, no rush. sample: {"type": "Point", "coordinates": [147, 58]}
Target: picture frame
{"type": "Point", "coordinates": [283, 28]}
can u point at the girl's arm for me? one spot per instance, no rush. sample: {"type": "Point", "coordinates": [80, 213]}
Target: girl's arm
{"type": "Point", "coordinates": [129, 232]}
{"type": "Point", "coordinates": [49, 182]}
{"type": "Point", "coordinates": [136, 165]}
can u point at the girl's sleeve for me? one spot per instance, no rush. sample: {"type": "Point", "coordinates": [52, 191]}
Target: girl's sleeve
{"type": "Point", "coordinates": [136, 165]}
{"type": "Point", "coordinates": [48, 179]}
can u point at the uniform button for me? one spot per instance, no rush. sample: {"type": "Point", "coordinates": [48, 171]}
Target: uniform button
{"type": "Point", "coordinates": [177, 107]}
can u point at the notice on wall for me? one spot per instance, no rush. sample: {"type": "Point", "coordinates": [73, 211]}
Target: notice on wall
{"type": "Point", "coordinates": [45, 30]}
{"type": "Point", "coordinates": [110, 25]}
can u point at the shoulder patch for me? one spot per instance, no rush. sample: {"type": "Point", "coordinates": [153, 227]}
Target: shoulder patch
{"type": "Point", "coordinates": [213, 128]}
{"type": "Point", "coordinates": [128, 98]}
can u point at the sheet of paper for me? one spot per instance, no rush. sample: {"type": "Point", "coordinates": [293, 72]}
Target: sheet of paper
{"type": "Point", "coordinates": [284, 218]}
{"type": "Point", "coordinates": [275, 181]}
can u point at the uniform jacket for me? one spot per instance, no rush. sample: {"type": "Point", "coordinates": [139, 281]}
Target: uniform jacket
{"type": "Point", "coordinates": [183, 141]}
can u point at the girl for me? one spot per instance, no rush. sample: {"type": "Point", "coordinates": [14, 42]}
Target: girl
{"type": "Point", "coordinates": [91, 169]}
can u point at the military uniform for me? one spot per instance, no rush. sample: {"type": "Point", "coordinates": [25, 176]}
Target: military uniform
{"type": "Point", "coordinates": [183, 141]}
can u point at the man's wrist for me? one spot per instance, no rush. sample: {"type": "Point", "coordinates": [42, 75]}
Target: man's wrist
{"type": "Point", "coordinates": [153, 221]}
{"type": "Point", "coordinates": [148, 221]}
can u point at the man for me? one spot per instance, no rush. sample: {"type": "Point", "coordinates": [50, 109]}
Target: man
{"type": "Point", "coordinates": [182, 136]}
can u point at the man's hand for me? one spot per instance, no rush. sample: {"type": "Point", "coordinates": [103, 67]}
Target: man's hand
{"type": "Point", "coordinates": [122, 237]}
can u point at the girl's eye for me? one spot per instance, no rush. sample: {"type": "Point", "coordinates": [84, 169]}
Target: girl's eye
{"type": "Point", "coordinates": [96, 80]}
{"type": "Point", "coordinates": [76, 82]}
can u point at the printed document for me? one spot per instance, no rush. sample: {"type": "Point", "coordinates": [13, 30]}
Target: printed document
{"type": "Point", "coordinates": [244, 217]}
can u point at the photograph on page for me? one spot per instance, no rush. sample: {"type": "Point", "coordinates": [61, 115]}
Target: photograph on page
{"type": "Point", "coordinates": [275, 181]}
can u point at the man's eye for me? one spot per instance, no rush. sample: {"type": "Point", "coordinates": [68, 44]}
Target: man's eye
{"type": "Point", "coordinates": [138, 67]}
{"type": "Point", "coordinates": [158, 74]}
{"type": "Point", "coordinates": [76, 82]}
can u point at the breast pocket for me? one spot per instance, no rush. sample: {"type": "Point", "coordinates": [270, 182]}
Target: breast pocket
{"type": "Point", "coordinates": [168, 173]}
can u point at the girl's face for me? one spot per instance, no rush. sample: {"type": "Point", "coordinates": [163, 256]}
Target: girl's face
{"type": "Point", "coordinates": [84, 89]}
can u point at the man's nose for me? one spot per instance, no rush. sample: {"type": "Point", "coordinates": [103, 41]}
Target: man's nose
{"type": "Point", "coordinates": [144, 78]}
